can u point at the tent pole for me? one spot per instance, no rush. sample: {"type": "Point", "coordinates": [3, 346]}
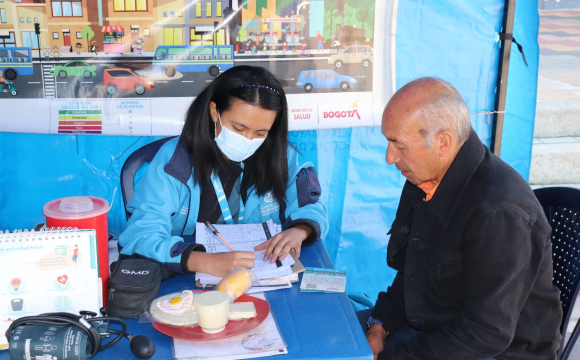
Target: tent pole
{"type": "Point", "coordinates": [504, 66]}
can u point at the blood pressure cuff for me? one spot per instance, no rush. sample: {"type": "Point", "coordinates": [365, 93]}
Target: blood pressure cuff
{"type": "Point", "coordinates": [133, 284]}
{"type": "Point", "coordinates": [47, 341]}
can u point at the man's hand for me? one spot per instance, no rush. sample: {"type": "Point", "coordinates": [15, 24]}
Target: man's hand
{"type": "Point", "coordinates": [219, 264]}
{"type": "Point", "coordinates": [376, 337]}
{"type": "Point", "coordinates": [279, 246]}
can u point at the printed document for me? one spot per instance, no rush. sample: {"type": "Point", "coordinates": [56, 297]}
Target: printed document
{"type": "Point", "coordinates": [243, 237]}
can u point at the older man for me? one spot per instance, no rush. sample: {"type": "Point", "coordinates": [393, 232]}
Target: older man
{"type": "Point", "coordinates": [470, 243]}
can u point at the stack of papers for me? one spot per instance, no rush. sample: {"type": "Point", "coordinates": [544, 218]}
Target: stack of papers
{"type": "Point", "coordinates": [282, 282]}
{"type": "Point", "coordinates": [243, 237]}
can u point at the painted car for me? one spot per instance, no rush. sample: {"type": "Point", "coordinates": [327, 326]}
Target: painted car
{"type": "Point", "coordinates": [324, 79]}
{"type": "Point", "coordinates": [356, 54]}
{"type": "Point", "coordinates": [74, 68]}
{"type": "Point", "coordinates": [125, 79]}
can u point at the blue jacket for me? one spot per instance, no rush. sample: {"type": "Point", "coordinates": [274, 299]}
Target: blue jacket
{"type": "Point", "coordinates": [166, 204]}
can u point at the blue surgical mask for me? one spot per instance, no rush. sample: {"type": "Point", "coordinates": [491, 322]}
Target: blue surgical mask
{"type": "Point", "coordinates": [234, 146]}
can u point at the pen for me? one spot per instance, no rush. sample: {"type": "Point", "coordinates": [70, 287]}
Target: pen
{"type": "Point", "coordinates": [214, 230]}
{"type": "Point", "coordinates": [269, 236]}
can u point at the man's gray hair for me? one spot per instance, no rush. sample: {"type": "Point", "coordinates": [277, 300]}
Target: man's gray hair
{"type": "Point", "coordinates": [444, 111]}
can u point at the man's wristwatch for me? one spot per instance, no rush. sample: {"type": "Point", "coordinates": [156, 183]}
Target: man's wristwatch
{"type": "Point", "coordinates": [372, 321]}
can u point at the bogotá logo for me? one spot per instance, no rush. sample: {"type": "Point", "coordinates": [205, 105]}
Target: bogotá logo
{"type": "Point", "coordinates": [269, 197]}
{"type": "Point", "coordinates": [344, 113]}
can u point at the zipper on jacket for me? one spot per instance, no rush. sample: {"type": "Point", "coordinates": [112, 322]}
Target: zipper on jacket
{"type": "Point", "coordinates": [188, 208]}
{"type": "Point", "coordinates": [111, 292]}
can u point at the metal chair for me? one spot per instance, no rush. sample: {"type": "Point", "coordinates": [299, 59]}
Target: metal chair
{"type": "Point", "coordinates": [144, 154]}
{"type": "Point", "coordinates": [562, 208]}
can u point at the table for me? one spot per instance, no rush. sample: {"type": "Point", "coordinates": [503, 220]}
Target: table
{"type": "Point", "coordinates": [314, 325]}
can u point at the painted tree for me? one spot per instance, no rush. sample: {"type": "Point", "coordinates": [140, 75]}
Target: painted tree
{"type": "Point", "coordinates": [334, 12]}
{"type": "Point", "coordinates": [281, 5]}
{"type": "Point", "coordinates": [359, 14]}
{"type": "Point", "coordinates": [87, 33]}
{"type": "Point", "coordinates": [365, 13]}
{"type": "Point", "coordinates": [242, 34]}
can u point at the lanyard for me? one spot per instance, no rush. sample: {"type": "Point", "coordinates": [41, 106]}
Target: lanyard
{"type": "Point", "coordinates": [221, 195]}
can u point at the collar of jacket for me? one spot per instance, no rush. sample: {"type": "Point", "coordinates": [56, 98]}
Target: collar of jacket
{"type": "Point", "coordinates": [180, 166]}
{"type": "Point", "coordinates": [455, 180]}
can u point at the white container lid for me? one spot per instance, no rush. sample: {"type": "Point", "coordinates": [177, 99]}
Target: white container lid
{"type": "Point", "coordinates": [75, 207]}
{"type": "Point", "coordinates": [76, 204]}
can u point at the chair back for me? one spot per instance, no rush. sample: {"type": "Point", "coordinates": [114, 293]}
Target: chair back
{"type": "Point", "coordinates": [144, 154]}
{"type": "Point", "coordinates": [562, 208]}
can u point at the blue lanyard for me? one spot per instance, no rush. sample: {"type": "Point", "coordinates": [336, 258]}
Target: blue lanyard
{"type": "Point", "coordinates": [221, 195]}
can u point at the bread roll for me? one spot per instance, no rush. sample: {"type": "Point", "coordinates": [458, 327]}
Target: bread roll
{"type": "Point", "coordinates": [237, 282]}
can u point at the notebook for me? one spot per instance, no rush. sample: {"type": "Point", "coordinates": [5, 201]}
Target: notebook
{"type": "Point", "coordinates": [47, 271]}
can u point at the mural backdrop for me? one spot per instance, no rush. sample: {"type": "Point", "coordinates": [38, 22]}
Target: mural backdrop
{"type": "Point", "coordinates": [131, 67]}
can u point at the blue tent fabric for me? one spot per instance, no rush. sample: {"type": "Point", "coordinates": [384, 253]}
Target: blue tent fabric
{"type": "Point", "coordinates": [454, 40]}
{"type": "Point", "coordinates": [518, 128]}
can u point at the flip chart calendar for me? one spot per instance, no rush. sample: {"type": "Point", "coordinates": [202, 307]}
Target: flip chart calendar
{"type": "Point", "coordinates": [47, 271]}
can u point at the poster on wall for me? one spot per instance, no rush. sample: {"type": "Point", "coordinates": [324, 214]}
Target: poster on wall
{"type": "Point", "coordinates": [132, 67]}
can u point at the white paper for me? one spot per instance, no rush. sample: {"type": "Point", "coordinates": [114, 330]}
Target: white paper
{"type": "Point", "coordinates": [264, 340]}
{"type": "Point", "coordinates": [270, 284]}
{"type": "Point", "coordinates": [42, 274]}
{"type": "Point", "coordinates": [242, 237]}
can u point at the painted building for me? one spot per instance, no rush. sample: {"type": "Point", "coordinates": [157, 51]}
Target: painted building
{"type": "Point", "coordinates": [126, 21]}
{"type": "Point", "coordinates": [117, 25]}
{"type": "Point", "coordinates": [262, 23]}
{"type": "Point", "coordinates": [190, 22]}
{"type": "Point", "coordinates": [169, 22]}
{"type": "Point", "coordinates": [203, 22]}
{"type": "Point", "coordinates": [65, 20]}
{"type": "Point", "coordinates": [17, 20]}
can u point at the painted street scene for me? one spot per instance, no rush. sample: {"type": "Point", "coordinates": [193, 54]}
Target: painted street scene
{"type": "Point", "coordinates": [83, 49]}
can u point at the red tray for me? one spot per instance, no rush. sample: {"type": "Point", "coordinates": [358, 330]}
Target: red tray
{"type": "Point", "coordinates": [232, 327]}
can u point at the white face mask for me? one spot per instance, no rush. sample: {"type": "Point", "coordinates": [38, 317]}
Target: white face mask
{"type": "Point", "coordinates": [234, 146]}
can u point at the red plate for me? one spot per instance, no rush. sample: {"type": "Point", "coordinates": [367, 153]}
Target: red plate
{"type": "Point", "coordinates": [232, 327]}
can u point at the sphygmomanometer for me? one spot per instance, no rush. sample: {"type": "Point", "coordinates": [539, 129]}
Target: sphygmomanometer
{"type": "Point", "coordinates": [66, 336]}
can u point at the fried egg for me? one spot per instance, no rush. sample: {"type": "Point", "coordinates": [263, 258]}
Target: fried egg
{"type": "Point", "coordinates": [177, 304]}
{"type": "Point", "coordinates": [186, 318]}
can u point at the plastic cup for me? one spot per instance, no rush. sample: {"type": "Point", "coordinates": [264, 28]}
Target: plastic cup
{"type": "Point", "coordinates": [212, 309]}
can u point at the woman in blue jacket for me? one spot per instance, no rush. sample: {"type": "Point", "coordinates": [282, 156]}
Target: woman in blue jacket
{"type": "Point", "coordinates": [234, 143]}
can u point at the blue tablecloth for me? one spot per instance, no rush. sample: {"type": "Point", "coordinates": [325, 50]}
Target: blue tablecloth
{"type": "Point", "coordinates": [314, 325]}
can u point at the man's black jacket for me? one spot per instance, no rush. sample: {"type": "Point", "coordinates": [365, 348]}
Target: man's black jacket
{"type": "Point", "coordinates": [474, 267]}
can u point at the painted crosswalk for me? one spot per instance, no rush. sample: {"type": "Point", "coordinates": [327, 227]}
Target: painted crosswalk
{"type": "Point", "coordinates": [48, 82]}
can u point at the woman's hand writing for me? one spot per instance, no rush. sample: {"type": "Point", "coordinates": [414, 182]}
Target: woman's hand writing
{"type": "Point", "coordinates": [219, 264]}
{"type": "Point", "coordinates": [280, 245]}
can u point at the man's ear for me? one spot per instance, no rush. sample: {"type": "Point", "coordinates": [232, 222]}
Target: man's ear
{"type": "Point", "coordinates": [446, 142]}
